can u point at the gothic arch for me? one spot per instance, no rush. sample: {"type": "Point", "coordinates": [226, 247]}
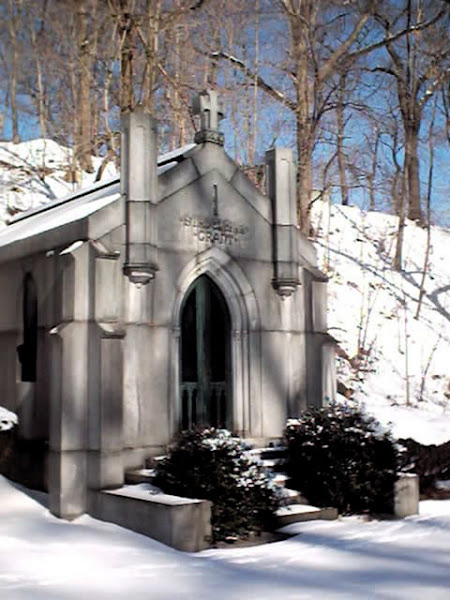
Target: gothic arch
{"type": "Point", "coordinates": [231, 280]}
{"type": "Point", "coordinates": [244, 315]}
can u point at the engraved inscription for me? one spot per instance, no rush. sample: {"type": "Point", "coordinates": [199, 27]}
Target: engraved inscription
{"type": "Point", "coordinates": [213, 230]}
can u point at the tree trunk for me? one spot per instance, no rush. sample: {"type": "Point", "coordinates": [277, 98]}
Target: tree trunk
{"type": "Point", "coordinates": [412, 157]}
{"type": "Point", "coordinates": [153, 18]}
{"type": "Point", "coordinates": [41, 99]}
{"type": "Point", "coordinates": [398, 258]}
{"type": "Point", "coordinates": [13, 28]}
{"type": "Point", "coordinates": [304, 132]}
{"type": "Point", "coordinates": [304, 174]}
{"type": "Point", "coordinates": [126, 35]}
{"type": "Point", "coordinates": [428, 212]}
{"type": "Point", "coordinates": [13, 100]}
{"type": "Point", "coordinates": [373, 171]}
{"type": "Point", "coordinates": [83, 149]}
{"type": "Point", "coordinates": [340, 142]}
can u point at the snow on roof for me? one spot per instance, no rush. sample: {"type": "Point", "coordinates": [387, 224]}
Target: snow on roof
{"type": "Point", "coordinates": [175, 155]}
{"type": "Point", "coordinates": [78, 205]}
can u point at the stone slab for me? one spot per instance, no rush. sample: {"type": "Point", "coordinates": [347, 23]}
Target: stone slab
{"type": "Point", "coordinates": [298, 513]}
{"type": "Point", "coordinates": [182, 523]}
{"type": "Point", "coordinates": [406, 495]}
{"type": "Point", "coordinates": [139, 476]}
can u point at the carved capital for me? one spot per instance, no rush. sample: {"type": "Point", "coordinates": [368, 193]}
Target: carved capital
{"type": "Point", "coordinates": [285, 287]}
{"type": "Point", "coordinates": [209, 135]}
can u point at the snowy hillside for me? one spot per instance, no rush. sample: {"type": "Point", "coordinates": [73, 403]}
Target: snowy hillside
{"type": "Point", "coordinates": [35, 172]}
{"type": "Point", "coordinates": [372, 313]}
{"type": "Point", "coordinates": [388, 358]}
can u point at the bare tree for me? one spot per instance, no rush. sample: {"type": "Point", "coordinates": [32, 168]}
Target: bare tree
{"type": "Point", "coordinates": [340, 122]}
{"type": "Point", "coordinates": [83, 9]}
{"type": "Point", "coordinates": [313, 59]}
{"type": "Point", "coordinates": [419, 64]}
{"type": "Point", "coordinates": [428, 210]}
{"type": "Point", "coordinates": [13, 22]}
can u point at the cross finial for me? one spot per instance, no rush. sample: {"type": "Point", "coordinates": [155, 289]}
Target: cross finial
{"type": "Point", "coordinates": [208, 106]}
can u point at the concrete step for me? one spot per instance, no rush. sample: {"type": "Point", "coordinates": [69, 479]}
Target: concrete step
{"type": "Point", "coordinates": [268, 453]}
{"type": "Point", "coordinates": [292, 497]}
{"type": "Point", "coordinates": [272, 464]}
{"type": "Point", "coordinates": [298, 513]}
{"type": "Point", "coordinates": [183, 523]}
{"type": "Point", "coordinates": [140, 476]}
{"type": "Point", "coordinates": [280, 479]}
{"type": "Point", "coordinates": [150, 463]}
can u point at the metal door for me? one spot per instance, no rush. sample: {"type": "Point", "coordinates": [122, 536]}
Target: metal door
{"type": "Point", "coordinates": [205, 357]}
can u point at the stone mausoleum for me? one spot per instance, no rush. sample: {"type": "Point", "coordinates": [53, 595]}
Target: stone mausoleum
{"type": "Point", "coordinates": [177, 296]}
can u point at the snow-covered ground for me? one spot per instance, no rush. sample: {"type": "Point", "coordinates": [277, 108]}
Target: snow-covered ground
{"type": "Point", "coordinates": [44, 558]}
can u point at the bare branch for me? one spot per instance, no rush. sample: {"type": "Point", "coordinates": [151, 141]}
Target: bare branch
{"type": "Point", "coordinates": [395, 36]}
{"type": "Point", "coordinates": [255, 77]}
{"type": "Point", "coordinates": [433, 87]}
{"type": "Point", "coordinates": [331, 63]}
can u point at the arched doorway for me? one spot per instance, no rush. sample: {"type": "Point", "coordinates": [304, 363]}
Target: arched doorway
{"type": "Point", "coordinates": [205, 357]}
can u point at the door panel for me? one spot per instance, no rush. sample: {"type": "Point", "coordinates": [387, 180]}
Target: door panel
{"type": "Point", "coordinates": [205, 357]}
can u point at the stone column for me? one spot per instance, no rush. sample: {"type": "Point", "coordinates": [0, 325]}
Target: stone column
{"type": "Point", "coordinates": [68, 420]}
{"type": "Point", "coordinates": [281, 190]}
{"type": "Point", "coordinates": [105, 468]}
{"type": "Point", "coordinates": [70, 383]}
{"type": "Point", "coordinates": [320, 345]}
{"type": "Point", "coordinates": [139, 189]}
{"type": "Point", "coordinates": [105, 464]}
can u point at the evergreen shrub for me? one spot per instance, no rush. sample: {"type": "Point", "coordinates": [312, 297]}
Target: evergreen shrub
{"type": "Point", "coordinates": [336, 456]}
{"type": "Point", "coordinates": [431, 462]}
{"type": "Point", "coordinates": [7, 441]}
{"type": "Point", "coordinates": [213, 465]}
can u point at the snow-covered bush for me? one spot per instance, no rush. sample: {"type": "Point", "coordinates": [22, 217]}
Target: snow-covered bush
{"type": "Point", "coordinates": [8, 419]}
{"type": "Point", "coordinates": [336, 456]}
{"type": "Point", "coordinates": [213, 465]}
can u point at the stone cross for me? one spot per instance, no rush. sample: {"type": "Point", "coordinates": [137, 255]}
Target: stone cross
{"type": "Point", "coordinates": [208, 106]}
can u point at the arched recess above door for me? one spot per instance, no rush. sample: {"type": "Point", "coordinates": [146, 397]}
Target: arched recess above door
{"type": "Point", "coordinates": [231, 281]}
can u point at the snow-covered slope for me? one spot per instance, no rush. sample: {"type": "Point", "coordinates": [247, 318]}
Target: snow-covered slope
{"type": "Point", "coordinates": [399, 364]}
{"type": "Point", "coordinates": [35, 172]}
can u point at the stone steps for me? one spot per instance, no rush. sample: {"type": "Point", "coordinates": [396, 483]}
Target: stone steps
{"type": "Point", "coordinates": [295, 507]}
{"type": "Point", "coordinates": [280, 479]}
{"type": "Point", "coordinates": [139, 476]}
{"type": "Point", "coordinates": [298, 513]}
{"type": "Point", "coordinates": [290, 496]}
{"type": "Point", "coordinates": [268, 453]}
